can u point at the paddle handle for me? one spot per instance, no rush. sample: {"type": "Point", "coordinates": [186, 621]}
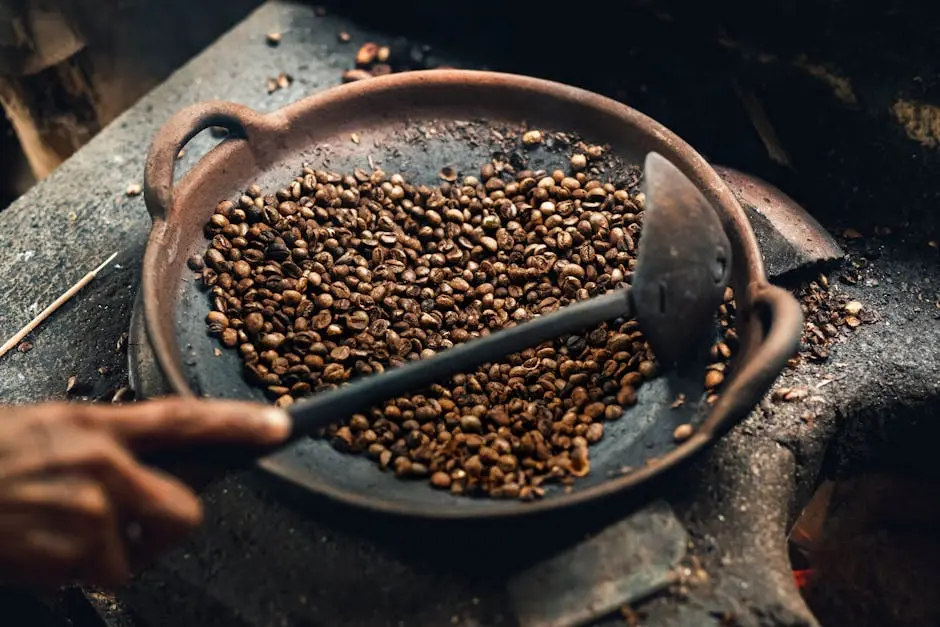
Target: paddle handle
{"type": "Point", "coordinates": [329, 407]}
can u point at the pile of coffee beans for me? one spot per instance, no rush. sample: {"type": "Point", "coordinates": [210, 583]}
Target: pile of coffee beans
{"type": "Point", "coordinates": [337, 276]}
{"type": "Point", "coordinates": [828, 317]}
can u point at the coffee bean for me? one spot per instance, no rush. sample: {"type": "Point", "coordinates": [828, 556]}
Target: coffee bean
{"type": "Point", "coordinates": [337, 276]}
{"type": "Point", "coordinates": [367, 53]}
{"type": "Point", "coordinates": [683, 432]}
{"type": "Point", "coordinates": [272, 340]}
{"type": "Point", "coordinates": [532, 137]}
{"type": "Point", "coordinates": [470, 424]}
{"type": "Point", "coordinates": [647, 369]}
{"type": "Point", "coordinates": [441, 480]}
{"type": "Point", "coordinates": [594, 433]}
{"type": "Point", "coordinates": [713, 379]}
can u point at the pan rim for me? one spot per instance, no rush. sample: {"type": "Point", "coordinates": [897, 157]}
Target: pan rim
{"type": "Point", "coordinates": [748, 258]}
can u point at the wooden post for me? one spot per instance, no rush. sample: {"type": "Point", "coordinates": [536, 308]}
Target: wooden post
{"type": "Point", "coordinates": [69, 67]}
{"type": "Point", "coordinates": [45, 89]}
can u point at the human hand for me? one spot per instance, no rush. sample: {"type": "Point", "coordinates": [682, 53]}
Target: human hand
{"type": "Point", "coordinates": [71, 487]}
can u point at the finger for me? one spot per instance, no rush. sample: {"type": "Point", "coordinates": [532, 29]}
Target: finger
{"type": "Point", "coordinates": [172, 422]}
{"type": "Point", "coordinates": [74, 498]}
{"type": "Point", "coordinates": [159, 510]}
{"type": "Point", "coordinates": [49, 557]}
{"type": "Point", "coordinates": [153, 532]}
{"type": "Point", "coordinates": [65, 526]}
{"type": "Point", "coordinates": [34, 552]}
{"type": "Point", "coordinates": [105, 562]}
{"type": "Point", "coordinates": [81, 508]}
{"type": "Point", "coordinates": [145, 493]}
{"type": "Point", "coordinates": [165, 509]}
{"type": "Point", "coordinates": [72, 450]}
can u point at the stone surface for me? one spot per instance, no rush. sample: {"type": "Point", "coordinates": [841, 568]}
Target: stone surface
{"type": "Point", "coordinates": [625, 563]}
{"type": "Point", "coordinates": [263, 561]}
{"type": "Point", "coordinates": [78, 216]}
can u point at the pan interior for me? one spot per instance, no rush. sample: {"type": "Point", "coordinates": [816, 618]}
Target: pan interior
{"type": "Point", "coordinates": [418, 149]}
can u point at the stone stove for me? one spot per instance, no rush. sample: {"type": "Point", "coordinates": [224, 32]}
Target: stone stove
{"type": "Point", "coordinates": [719, 526]}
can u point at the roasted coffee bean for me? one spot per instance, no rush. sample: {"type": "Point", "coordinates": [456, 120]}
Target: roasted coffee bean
{"type": "Point", "coordinates": [337, 276]}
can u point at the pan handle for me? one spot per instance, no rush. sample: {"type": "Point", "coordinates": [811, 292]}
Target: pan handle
{"type": "Point", "coordinates": [240, 121]}
{"type": "Point", "coordinates": [782, 324]}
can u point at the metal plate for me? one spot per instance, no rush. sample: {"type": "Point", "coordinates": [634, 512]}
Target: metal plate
{"type": "Point", "coordinates": [415, 124]}
{"type": "Point", "coordinates": [623, 564]}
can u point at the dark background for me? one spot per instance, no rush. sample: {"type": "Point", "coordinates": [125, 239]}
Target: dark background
{"type": "Point", "coordinates": [827, 74]}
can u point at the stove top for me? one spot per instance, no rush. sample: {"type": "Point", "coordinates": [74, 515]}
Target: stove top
{"type": "Point", "coordinates": [719, 526]}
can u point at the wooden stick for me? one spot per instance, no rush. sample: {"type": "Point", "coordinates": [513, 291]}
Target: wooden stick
{"type": "Point", "coordinates": [48, 311]}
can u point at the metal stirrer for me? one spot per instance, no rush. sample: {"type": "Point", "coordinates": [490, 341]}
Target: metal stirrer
{"type": "Point", "coordinates": [683, 268]}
